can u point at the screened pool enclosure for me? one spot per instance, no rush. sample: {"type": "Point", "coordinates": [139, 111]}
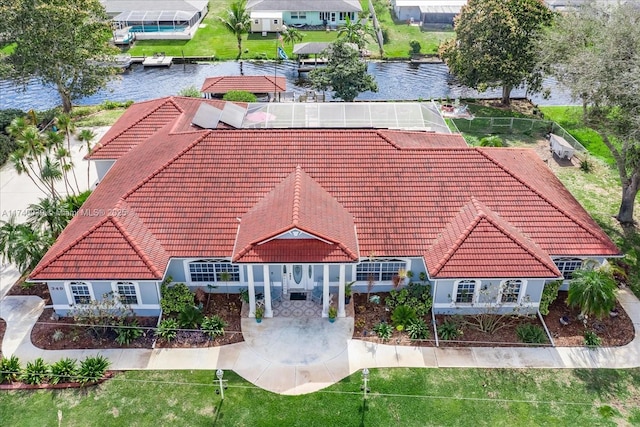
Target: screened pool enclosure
{"type": "Point", "coordinates": [154, 21]}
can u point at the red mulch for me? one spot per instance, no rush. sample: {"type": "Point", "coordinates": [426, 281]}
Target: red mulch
{"type": "Point", "coordinates": [81, 337]}
{"type": "Point", "coordinates": [38, 289]}
{"type": "Point", "coordinates": [614, 331]}
{"type": "Point", "coordinates": [229, 309]}
{"type": "Point", "coordinates": [3, 328]}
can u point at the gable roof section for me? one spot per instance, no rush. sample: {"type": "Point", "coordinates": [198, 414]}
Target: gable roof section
{"type": "Point", "coordinates": [253, 84]}
{"type": "Point", "coordinates": [422, 140]}
{"type": "Point", "coordinates": [308, 5]}
{"type": "Point", "coordinates": [298, 202]}
{"type": "Point", "coordinates": [478, 243]}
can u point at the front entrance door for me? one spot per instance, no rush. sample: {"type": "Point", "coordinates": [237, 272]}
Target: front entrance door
{"type": "Point", "coordinates": [297, 276]}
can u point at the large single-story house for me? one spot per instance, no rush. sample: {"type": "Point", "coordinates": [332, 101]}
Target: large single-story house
{"type": "Point", "coordinates": [269, 15]}
{"type": "Point", "coordinates": [189, 192]}
{"type": "Point", "coordinates": [157, 19]}
{"type": "Point", "coordinates": [438, 12]}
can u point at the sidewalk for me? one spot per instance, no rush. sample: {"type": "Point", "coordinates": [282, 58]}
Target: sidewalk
{"type": "Point", "coordinates": [293, 368]}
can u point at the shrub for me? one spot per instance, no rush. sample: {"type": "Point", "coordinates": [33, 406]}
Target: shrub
{"type": "Point", "coordinates": [102, 315]}
{"type": "Point", "coordinates": [549, 295]}
{"type": "Point", "coordinates": [93, 369]}
{"type": "Point", "coordinates": [403, 315]}
{"type": "Point", "coordinates": [594, 291]}
{"type": "Point", "coordinates": [449, 330]}
{"type": "Point", "coordinates": [415, 295]}
{"type": "Point", "coordinates": [7, 146]}
{"type": "Point", "coordinates": [244, 295]}
{"type": "Point", "coordinates": [418, 329]}
{"type": "Point", "coordinates": [532, 334]}
{"type": "Point", "coordinates": [591, 339]}
{"type": "Point", "coordinates": [9, 369]}
{"type": "Point", "coordinates": [36, 372]}
{"type": "Point", "coordinates": [491, 141]}
{"type": "Point", "coordinates": [240, 96]}
{"type": "Point", "coordinates": [384, 330]}
{"type": "Point", "coordinates": [191, 92]}
{"type": "Point", "coordinates": [128, 332]}
{"type": "Point", "coordinates": [64, 371]}
{"type": "Point", "coordinates": [167, 329]}
{"type": "Point", "coordinates": [57, 335]}
{"type": "Point", "coordinates": [213, 326]}
{"type": "Point", "coordinates": [190, 317]}
{"type": "Point", "coordinates": [175, 298]}
{"type": "Point", "coordinates": [585, 165]}
{"type": "Point", "coordinates": [415, 47]}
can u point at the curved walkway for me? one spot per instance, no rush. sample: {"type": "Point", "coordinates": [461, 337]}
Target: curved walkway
{"type": "Point", "coordinates": [290, 356]}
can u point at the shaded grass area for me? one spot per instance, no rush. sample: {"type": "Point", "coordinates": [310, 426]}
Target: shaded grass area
{"type": "Point", "coordinates": [213, 40]}
{"type": "Point", "coordinates": [569, 117]}
{"type": "Point", "coordinates": [408, 397]}
{"type": "Point", "coordinates": [98, 118]}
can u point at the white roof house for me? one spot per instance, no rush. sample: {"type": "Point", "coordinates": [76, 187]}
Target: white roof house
{"type": "Point", "coordinates": [428, 11]}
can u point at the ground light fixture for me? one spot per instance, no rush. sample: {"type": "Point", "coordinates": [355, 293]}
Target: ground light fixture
{"type": "Point", "coordinates": [365, 379]}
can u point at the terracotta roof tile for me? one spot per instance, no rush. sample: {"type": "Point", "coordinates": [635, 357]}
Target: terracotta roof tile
{"type": "Point", "coordinates": [295, 250]}
{"type": "Point", "coordinates": [253, 84]}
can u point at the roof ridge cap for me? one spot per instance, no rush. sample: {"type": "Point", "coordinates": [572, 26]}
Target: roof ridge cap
{"type": "Point", "coordinates": [555, 206]}
{"type": "Point", "coordinates": [297, 189]}
{"type": "Point", "coordinates": [385, 138]}
{"type": "Point", "coordinates": [166, 164]}
{"type": "Point", "coordinates": [142, 254]}
{"type": "Point", "coordinates": [66, 249]}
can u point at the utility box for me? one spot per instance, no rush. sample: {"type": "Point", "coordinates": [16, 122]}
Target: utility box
{"type": "Point", "coordinates": [561, 147]}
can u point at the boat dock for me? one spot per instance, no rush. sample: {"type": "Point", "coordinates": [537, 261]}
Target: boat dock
{"type": "Point", "coordinates": [158, 60]}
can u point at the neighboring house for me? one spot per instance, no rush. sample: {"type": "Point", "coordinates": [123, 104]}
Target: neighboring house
{"type": "Point", "coordinates": [310, 209]}
{"type": "Point", "coordinates": [269, 15]}
{"type": "Point", "coordinates": [258, 85]}
{"type": "Point", "coordinates": [439, 12]}
{"type": "Point", "coordinates": [162, 19]}
{"type": "Point", "coordinates": [562, 5]}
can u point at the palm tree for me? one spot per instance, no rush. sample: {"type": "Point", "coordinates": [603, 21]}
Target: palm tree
{"type": "Point", "coordinates": [292, 35]}
{"type": "Point", "coordinates": [50, 173]}
{"type": "Point", "coordinates": [356, 32]}
{"type": "Point", "coordinates": [593, 290]}
{"type": "Point", "coordinates": [8, 237]}
{"type": "Point", "coordinates": [237, 21]}
{"type": "Point", "coordinates": [87, 136]}
{"type": "Point", "coordinates": [23, 245]}
{"type": "Point", "coordinates": [225, 276]}
{"type": "Point", "coordinates": [48, 214]}
{"type": "Point", "coordinates": [69, 128]}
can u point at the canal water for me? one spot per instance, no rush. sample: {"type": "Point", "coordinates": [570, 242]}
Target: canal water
{"type": "Point", "coordinates": [396, 81]}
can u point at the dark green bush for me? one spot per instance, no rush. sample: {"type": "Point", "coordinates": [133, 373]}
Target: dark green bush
{"type": "Point", "coordinates": [403, 315]}
{"type": "Point", "coordinates": [168, 329]}
{"type": "Point", "coordinates": [10, 369]}
{"type": "Point", "coordinates": [531, 334]}
{"type": "Point", "coordinates": [549, 295]}
{"type": "Point", "coordinates": [449, 330]}
{"type": "Point", "coordinates": [190, 318]}
{"type": "Point", "coordinates": [239, 96]}
{"type": "Point", "coordinates": [7, 146]}
{"type": "Point", "coordinates": [175, 298]}
{"type": "Point", "coordinates": [128, 331]}
{"type": "Point", "coordinates": [36, 372]}
{"type": "Point", "coordinates": [64, 371]}
{"type": "Point", "coordinates": [93, 369]}
{"type": "Point", "coordinates": [384, 330]}
{"type": "Point", "coordinates": [415, 295]}
{"type": "Point", "coordinates": [418, 329]}
{"type": "Point", "coordinates": [213, 326]}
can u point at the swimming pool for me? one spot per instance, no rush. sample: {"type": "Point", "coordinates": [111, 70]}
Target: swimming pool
{"type": "Point", "coordinates": [158, 28]}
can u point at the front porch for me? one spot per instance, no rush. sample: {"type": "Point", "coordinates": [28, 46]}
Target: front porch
{"type": "Point", "coordinates": [286, 307]}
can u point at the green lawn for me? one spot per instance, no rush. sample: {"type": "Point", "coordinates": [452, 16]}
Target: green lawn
{"type": "Point", "coordinates": [213, 40]}
{"type": "Point", "coordinates": [406, 397]}
{"type": "Point", "coordinates": [569, 118]}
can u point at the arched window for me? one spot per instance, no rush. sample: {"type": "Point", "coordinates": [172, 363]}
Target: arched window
{"type": "Point", "coordinates": [80, 292]}
{"type": "Point", "coordinates": [127, 292]}
{"type": "Point", "coordinates": [465, 290]}
{"type": "Point", "coordinates": [511, 290]}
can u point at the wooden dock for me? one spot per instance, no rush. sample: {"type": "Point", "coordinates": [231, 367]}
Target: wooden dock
{"type": "Point", "coordinates": [158, 60]}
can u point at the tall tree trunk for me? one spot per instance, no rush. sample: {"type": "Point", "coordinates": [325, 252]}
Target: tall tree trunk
{"type": "Point", "coordinates": [506, 94]}
{"type": "Point", "coordinates": [629, 193]}
{"type": "Point", "coordinates": [239, 47]}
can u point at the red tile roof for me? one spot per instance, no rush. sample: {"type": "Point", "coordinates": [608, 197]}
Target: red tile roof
{"type": "Point", "coordinates": [253, 84]}
{"type": "Point", "coordinates": [406, 194]}
{"type": "Point", "coordinates": [297, 203]}
{"type": "Point", "coordinates": [461, 248]}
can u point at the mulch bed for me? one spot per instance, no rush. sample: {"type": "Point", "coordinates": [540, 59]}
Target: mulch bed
{"type": "Point", "coordinates": [229, 308]}
{"type": "Point", "coordinates": [614, 331]}
{"type": "Point", "coordinates": [81, 337]}
{"type": "Point", "coordinates": [38, 289]}
{"type": "Point", "coordinates": [22, 386]}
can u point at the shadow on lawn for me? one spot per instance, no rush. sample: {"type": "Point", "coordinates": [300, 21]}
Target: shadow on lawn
{"type": "Point", "coordinates": [607, 382]}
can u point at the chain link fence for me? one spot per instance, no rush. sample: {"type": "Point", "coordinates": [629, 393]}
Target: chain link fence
{"type": "Point", "coordinates": [515, 125]}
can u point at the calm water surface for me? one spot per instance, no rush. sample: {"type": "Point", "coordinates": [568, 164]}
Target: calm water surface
{"type": "Point", "coordinates": [396, 80]}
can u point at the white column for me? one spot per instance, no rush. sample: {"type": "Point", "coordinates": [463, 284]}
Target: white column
{"type": "Point", "coordinates": [325, 291]}
{"type": "Point", "coordinates": [341, 312]}
{"type": "Point", "coordinates": [267, 291]}
{"type": "Point", "coordinates": [252, 291]}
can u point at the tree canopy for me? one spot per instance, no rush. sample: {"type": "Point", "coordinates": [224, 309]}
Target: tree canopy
{"type": "Point", "coordinates": [237, 21]}
{"type": "Point", "coordinates": [345, 73]}
{"type": "Point", "coordinates": [595, 53]}
{"type": "Point", "coordinates": [495, 44]}
{"type": "Point", "coordinates": [63, 43]}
